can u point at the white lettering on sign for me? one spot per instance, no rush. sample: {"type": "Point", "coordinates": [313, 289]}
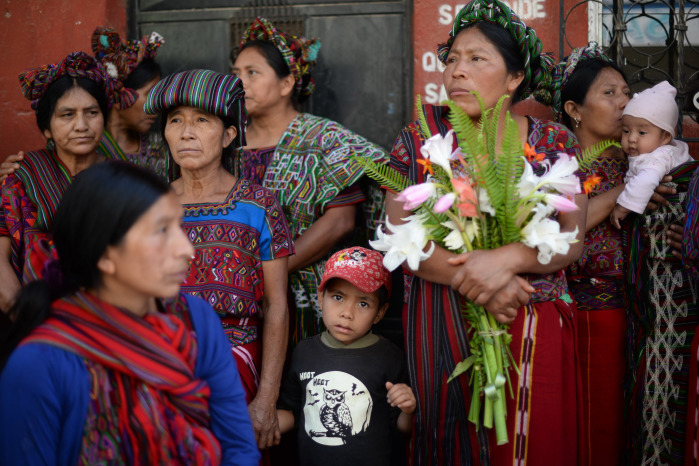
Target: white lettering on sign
{"type": "Point", "coordinates": [525, 9]}
{"type": "Point", "coordinates": [430, 62]}
{"type": "Point", "coordinates": [434, 94]}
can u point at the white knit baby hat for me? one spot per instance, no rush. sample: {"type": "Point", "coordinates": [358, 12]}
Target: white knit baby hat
{"type": "Point", "coordinates": [657, 105]}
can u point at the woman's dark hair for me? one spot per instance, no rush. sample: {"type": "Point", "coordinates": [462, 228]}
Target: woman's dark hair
{"type": "Point", "coordinates": [509, 50]}
{"type": "Point", "coordinates": [275, 59]}
{"type": "Point", "coordinates": [96, 211]}
{"type": "Point", "coordinates": [48, 101]}
{"type": "Point", "coordinates": [146, 71]}
{"type": "Point", "coordinates": [581, 80]}
{"type": "Point", "coordinates": [226, 156]}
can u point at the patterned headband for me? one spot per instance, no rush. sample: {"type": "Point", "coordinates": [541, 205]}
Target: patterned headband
{"type": "Point", "coordinates": [120, 59]}
{"type": "Point", "coordinates": [35, 81]}
{"type": "Point", "coordinates": [299, 53]}
{"type": "Point", "coordinates": [537, 65]}
{"type": "Point", "coordinates": [562, 73]}
{"type": "Point", "coordinates": [219, 94]}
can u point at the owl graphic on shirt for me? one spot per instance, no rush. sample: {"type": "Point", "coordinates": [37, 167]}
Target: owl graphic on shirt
{"type": "Point", "coordinates": [337, 407]}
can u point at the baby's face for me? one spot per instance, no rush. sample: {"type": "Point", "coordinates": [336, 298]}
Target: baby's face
{"type": "Point", "coordinates": [639, 136]}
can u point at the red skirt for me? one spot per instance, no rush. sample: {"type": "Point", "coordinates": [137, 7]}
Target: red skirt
{"type": "Point", "coordinates": [601, 345]}
{"type": "Point", "coordinates": [543, 417]}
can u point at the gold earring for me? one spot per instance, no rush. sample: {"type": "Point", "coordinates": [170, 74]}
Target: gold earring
{"type": "Point", "coordinates": [577, 122]}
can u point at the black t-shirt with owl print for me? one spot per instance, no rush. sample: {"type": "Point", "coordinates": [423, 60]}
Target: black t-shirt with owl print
{"type": "Point", "coordinates": [338, 397]}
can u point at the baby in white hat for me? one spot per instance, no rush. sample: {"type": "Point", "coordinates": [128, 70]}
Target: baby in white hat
{"type": "Point", "coordinates": [648, 129]}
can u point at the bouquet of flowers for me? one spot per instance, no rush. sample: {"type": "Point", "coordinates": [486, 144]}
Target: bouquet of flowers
{"type": "Point", "coordinates": [483, 195]}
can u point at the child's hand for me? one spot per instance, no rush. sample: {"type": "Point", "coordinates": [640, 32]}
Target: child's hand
{"type": "Point", "coordinates": [618, 213]}
{"type": "Point", "coordinates": [402, 396]}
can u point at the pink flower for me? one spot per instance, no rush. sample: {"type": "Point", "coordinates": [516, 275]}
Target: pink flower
{"type": "Point", "coordinates": [413, 196]}
{"type": "Point", "coordinates": [444, 203]}
{"type": "Point", "coordinates": [560, 203]}
{"type": "Point", "coordinates": [467, 206]}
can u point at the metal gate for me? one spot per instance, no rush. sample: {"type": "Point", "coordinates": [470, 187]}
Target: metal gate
{"type": "Point", "coordinates": [364, 71]}
{"type": "Point", "coordinates": [651, 40]}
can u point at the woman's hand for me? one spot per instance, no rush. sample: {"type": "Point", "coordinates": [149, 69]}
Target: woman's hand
{"type": "Point", "coordinates": [674, 239]}
{"type": "Point", "coordinates": [505, 302]}
{"type": "Point", "coordinates": [10, 165]}
{"type": "Point", "coordinates": [658, 197]}
{"type": "Point", "coordinates": [481, 274]}
{"type": "Point", "coordinates": [263, 414]}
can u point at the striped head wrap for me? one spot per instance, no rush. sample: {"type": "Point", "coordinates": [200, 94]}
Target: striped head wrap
{"type": "Point", "coordinates": [299, 53]}
{"type": "Point", "coordinates": [119, 59]}
{"type": "Point", "coordinates": [36, 81]}
{"type": "Point", "coordinates": [562, 73]}
{"type": "Point", "coordinates": [537, 65]}
{"type": "Point", "coordinates": [219, 94]}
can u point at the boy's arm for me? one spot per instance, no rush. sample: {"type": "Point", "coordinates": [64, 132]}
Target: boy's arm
{"type": "Point", "coordinates": [286, 420]}
{"type": "Point", "coordinates": [400, 395]}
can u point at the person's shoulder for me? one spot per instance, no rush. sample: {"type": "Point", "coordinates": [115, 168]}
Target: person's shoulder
{"type": "Point", "coordinates": [201, 312]}
{"type": "Point", "coordinates": [49, 364]}
{"type": "Point", "coordinates": [255, 192]}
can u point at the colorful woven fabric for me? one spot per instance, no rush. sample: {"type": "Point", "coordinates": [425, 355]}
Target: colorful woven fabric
{"type": "Point", "coordinates": [152, 153]}
{"type": "Point", "coordinates": [231, 241]}
{"type": "Point", "coordinates": [537, 65]}
{"type": "Point", "coordinates": [120, 59]}
{"type": "Point", "coordinates": [35, 81]}
{"type": "Point", "coordinates": [309, 169]}
{"type": "Point", "coordinates": [690, 237]}
{"type": "Point", "coordinates": [562, 72]}
{"type": "Point", "coordinates": [663, 318]}
{"type": "Point", "coordinates": [542, 417]}
{"type": "Point", "coordinates": [216, 93]}
{"type": "Point", "coordinates": [30, 197]}
{"type": "Point", "coordinates": [299, 53]}
{"type": "Point", "coordinates": [152, 405]}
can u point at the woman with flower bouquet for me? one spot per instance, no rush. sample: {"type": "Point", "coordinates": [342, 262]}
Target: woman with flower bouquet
{"type": "Point", "coordinates": [491, 52]}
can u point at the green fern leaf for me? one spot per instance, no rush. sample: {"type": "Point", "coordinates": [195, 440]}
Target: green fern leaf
{"type": "Point", "coordinates": [383, 174]}
{"type": "Point", "coordinates": [424, 127]}
{"type": "Point", "coordinates": [592, 153]}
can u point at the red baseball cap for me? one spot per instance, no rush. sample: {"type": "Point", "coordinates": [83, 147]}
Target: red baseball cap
{"type": "Point", "coordinates": [360, 266]}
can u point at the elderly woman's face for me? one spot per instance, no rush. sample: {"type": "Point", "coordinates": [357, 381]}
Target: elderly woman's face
{"type": "Point", "coordinates": [474, 64]}
{"type": "Point", "coordinates": [600, 114]}
{"type": "Point", "coordinates": [196, 138]}
{"type": "Point", "coordinates": [152, 258]}
{"type": "Point", "coordinates": [77, 123]}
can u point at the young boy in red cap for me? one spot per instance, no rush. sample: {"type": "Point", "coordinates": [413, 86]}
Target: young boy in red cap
{"type": "Point", "coordinates": [345, 388]}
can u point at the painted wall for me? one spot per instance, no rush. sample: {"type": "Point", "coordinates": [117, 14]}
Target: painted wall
{"type": "Point", "coordinates": [35, 33]}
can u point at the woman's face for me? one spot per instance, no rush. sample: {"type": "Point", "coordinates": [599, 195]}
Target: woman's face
{"type": "Point", "coordinates": [263, 88]}
{"type": "Point", "coordinates": [474, 64]}
{"type": "Point", "coordinates": [152, 258]}
{"type": "Point", "coordinates": [600, 114]}
{"type": "Point", "coordinates": [196, 138]}
{"type": "Point", "coordinates": [77, 123]}
{"type": "Point", "coordinates": [134, 117]}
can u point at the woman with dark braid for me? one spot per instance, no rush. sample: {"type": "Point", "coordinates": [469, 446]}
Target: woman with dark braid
{"type": "Point", "coordinates": [491, 51]}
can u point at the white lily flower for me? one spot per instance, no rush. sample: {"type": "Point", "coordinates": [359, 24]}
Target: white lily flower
{"type": "Point", "coordinates": [403, 243]}
{"type": "Point", "coordinates": [528, 182]}
{"type": "Point", "coordinates": [438, 150]}
{"type": "Point", "coordinates": [453, 241]}
{"type": "Point", "coordinates": [484, 203]}
{"type": "Point", "coordinates": [545, 234]}
{"type": "Point", "coordinates": [561, 175]}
